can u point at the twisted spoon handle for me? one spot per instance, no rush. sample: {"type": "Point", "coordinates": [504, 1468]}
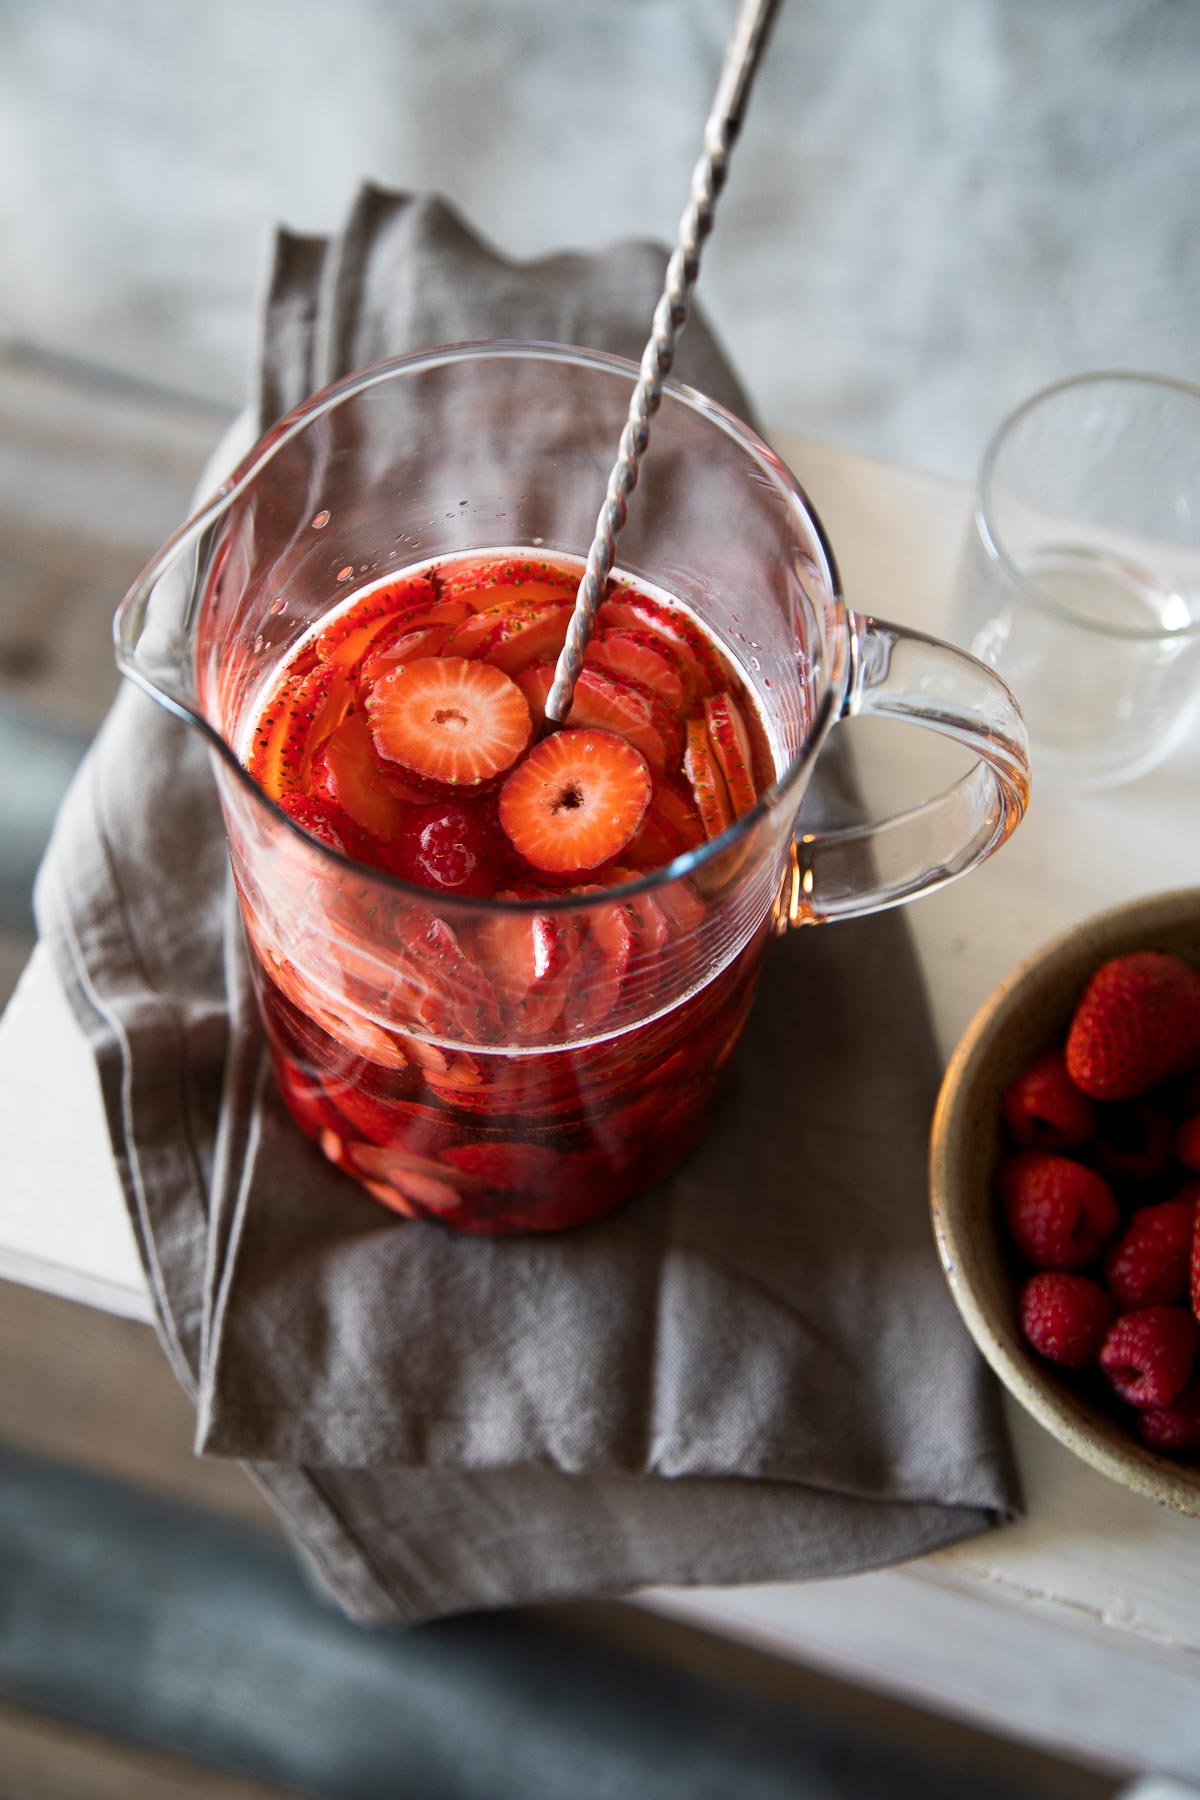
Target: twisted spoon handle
{"type": "Point", "coordinates": [670, 316]}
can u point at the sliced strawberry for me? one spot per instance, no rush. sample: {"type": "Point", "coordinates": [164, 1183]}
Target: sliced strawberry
{"type": "Point", "coordinates": [535, 683]}
{"type": "Point", "coordinates": [362, 1037]}
{"type": "Point", "coordinates": [391, 1197]}
{"type": "Point", "coordinates": [708, 784]}
{"type": "Point", "coordinates": [386, 1162]}
{"type": "Point", "coordinates": [450, 993]}
{"type": "Point", "coordinates": [642, 657]}
{"type": "Point", "coordinates": [372, 1118]}
{"type": "Point", "coordinates": [346, 771]}
{"type": "Point", "coordinates": [530, 958]}
{"type": "Point", "coordinates": [731, 746]}
{"type": "Point", "coordinates": [514, 637]}
{"type": "Point", "coordinates": [604, 959]}
{"type": "Point", "coordinates": [449, 720]}
{"type": "Point", "coordinates": [628, 609]}
{"type": "Point", "coordinates": [657, 843]}
{"type": "Point", "coordinates": [408, 645]}
{"type": "Point", "coordinates": [306, 1097]}
{"type": "Point", "coordinates": [680, 811]}
{"type": "Point", "coordinates": [682, 907]}
{"type": "Point", "coordinates": [347, 637]}
{"type": "Point", "coordinates": [520, 579]}
{"type": "Point", "coordinates": [648, 921]}
{"type": "Point", "coordinates": [575, 801]}
{"type": "Point", "coordinates": [513, 1168]}
{"type": "Point", "coordinates": [294, 725]}
{"type": "Point", "coordinates": [321, 820]}
{"type": "Point", "coordinates": [610, 704]}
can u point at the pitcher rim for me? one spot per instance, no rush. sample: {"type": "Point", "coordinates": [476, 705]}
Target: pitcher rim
{"type": "Point", "coordinates": [271, 441]}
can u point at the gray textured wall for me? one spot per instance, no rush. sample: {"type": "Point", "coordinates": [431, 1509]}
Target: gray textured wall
{"type": "Point", "coordinates": [938, 204]}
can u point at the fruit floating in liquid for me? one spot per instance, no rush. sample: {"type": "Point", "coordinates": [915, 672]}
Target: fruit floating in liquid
{"type": "Point", "coordinates": [406, 731]}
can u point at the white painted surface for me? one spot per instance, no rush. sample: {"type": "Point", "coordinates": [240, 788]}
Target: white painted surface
{"type": "Point", "coordinates": [1078, 1627]}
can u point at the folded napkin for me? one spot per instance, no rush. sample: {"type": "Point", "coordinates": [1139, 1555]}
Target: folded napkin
{"type": "Point", "coordinates": [752, 1373]}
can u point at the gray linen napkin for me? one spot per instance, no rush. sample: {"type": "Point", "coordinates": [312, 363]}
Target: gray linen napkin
{"type": "Point", "coordinates": [753, 1373]}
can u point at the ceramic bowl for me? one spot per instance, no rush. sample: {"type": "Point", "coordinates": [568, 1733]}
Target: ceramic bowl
{"type": "Point", "coordinates": [1028, 1013]}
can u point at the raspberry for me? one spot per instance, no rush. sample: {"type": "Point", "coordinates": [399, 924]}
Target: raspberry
{"type": "Point", "coordinates": [1137, 1024]}
{"type": "Point", "coordinates": [1148, 1265]}
{"type": "Point", "coordinates": [452, 846]}
{"type": "Point", "coordinates": [1043, 1108]}
{"type": "Point", "coordinates": [1133, 1142]}
{"type": "Point", "coordinates": [1060, 1214]}
{"type": "Point", "coordinates": [1186, 1144]}
{"type": "Point", "coordinates": [1065, 1318]}
{"type": "Point", "coordinates": [1148, 1355]}
{"type": "Point", "coordinates": [1174, 1427]}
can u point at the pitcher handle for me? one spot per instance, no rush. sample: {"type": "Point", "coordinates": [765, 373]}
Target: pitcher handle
{"type": "Point", "coordinates": [901, 674]}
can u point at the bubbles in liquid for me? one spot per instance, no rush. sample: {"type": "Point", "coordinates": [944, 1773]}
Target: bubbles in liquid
{"type": "Point", "coordinates": [280, 605]}
{"type": "Point", "coordinates": [346, 573]}
{"type": "Point", "coordinates": [321, 521]}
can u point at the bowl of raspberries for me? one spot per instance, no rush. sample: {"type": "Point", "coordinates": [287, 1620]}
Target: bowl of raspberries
{"type": "Point", "coordinates": [1065, 1180]}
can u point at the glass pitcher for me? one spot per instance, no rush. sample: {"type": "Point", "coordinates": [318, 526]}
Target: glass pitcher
{"type": "Point", "coordinates": [507, 1065]}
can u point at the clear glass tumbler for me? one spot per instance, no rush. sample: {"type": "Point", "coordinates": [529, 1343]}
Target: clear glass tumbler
{"type": "Point", "coordinates": [1080, 581]}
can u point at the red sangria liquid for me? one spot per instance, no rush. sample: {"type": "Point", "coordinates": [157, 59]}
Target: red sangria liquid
{"type": "Point", "coordinates": [519, 1073]}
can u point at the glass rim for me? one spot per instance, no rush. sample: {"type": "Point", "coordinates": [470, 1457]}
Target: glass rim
{"type": "Point", "coordinates": [991, 539]}
{"type": "Point", "coordinates": [271, 442]}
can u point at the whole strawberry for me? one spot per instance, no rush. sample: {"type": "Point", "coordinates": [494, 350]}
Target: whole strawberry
{"type": "Point", "coordinates": [1137, 1024]}
{"type": "Point", "coordinates": [1148, 1355]}
{"type": "Point", "coordinates": [1060, 1214]}
{"type": "Point", "coordinates": [1149, 1263]}
{"type": "Point", "coordinates": [1065, 1318]}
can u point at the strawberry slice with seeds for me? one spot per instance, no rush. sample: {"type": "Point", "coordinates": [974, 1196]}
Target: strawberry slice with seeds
{"type": "Point", "coordinates": [346, 772]}
{"type": "Point", "coordinates": [609, 704]}
{"type": "Point", "coordinates": [454, 994]}
{"type": "Point", "coordinates": [707, 782]}
{"type": "Point", "coordinates": [604, 959]}
{"type": "Point", "coordinates": [731, 746]}
{"type": "Point", "coordinates": [408, 645]}
{"type": "Point", "coordinates": [576, 800]}
{"type": "Point", "coordinates": [681, 813]}
{"type": "Point", "coordinates": [530, 957]}
{"type": "Point", "coordinates": [514, 637]}
{"type": "Point", "coordinates": [449, 720]}
{"type": "Point", "coordinates": [657, 843]}
{"type": "Point", "coordinates": [300, 716]}
{"type": "Point", "coordinates": [520, 578]}
{"type": "Point", "coordinates": [348, 637]}
{"type": "Point", "coordinates": [329, 824]}
{"type": "Point", "coordinates": [535, 683]}
{"type": "Point", "coordinates": [629, 610]}
{"type": "Point", "coordinates": [645, 915]}
{"type": "Point", "coordinates": [642, 657]}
